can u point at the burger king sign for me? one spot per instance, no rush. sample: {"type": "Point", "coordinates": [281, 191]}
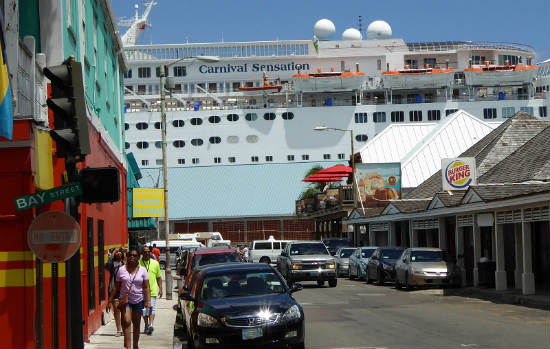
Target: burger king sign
{"type": "Point", "coordinates": [458, 173]}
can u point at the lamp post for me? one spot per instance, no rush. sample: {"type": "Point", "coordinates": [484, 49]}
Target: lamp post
{"type": "Point", "coordinates": [354, 187]}
{"type": "Point", "coordinates": [163, 68]}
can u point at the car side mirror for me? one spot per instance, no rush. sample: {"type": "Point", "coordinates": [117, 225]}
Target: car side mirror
{"type": "Point", "coordinates": [186, 296]}
{"type": "Point", "coordinates": [284, 254]}
{"type": "Point", "coordinates": [295, 288]}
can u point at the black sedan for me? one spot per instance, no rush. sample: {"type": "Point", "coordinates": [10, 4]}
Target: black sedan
{"type": "Point", "coordinates": [242, 305]}
{"type": "Point", "coordinates": [381, 266]}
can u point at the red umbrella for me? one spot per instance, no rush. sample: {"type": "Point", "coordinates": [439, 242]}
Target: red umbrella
{"type": "Point", "coordinates": [339, 170]}
{"type": "Point", "coordinates": [323, 178]}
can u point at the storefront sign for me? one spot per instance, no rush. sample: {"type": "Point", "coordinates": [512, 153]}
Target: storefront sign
{"type": "Point", "coordinates": [458, 173]}
{"type": "Point", "coordinates": [378, 183]}
{"type": "Point", "coordinates": [148, 202]}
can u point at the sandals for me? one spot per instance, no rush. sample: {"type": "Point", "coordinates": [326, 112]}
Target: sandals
{"type": "Point", "coordinates": [118, 333]}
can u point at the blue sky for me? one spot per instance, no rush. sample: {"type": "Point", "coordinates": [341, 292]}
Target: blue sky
{"type": "Point", "coordinates": [180, 21]}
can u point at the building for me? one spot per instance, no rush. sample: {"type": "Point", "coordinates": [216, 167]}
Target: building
{"type": "Point", "coordinates": [503, 218]}
{"type": "Point", "coordinates": [41, 34]}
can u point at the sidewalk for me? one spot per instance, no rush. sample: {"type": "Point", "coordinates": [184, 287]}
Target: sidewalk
{"type": "Point", "coordinates": [540, 300]}
{"type": "Point", "coordinates": [162, 336]}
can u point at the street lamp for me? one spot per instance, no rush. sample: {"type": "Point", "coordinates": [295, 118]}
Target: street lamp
{"type": "Point", "coordinates": [325, 128]}
{"type": "Point", "coordinates": [163, 68]}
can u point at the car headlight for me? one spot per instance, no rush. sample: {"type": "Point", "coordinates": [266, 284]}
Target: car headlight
{"type": "Point", "coordinates": [387, 266]}
{"type": "Point", "coordinates": [292, 313]}
{"type": "Point", "coordinates": [330, 266]}
{"type": "Point", "coordinates": [205, 320]}
{"type": "Point", "coordinates": [418, 272]}
{"type": "Point", "coordinates": [296, 266]}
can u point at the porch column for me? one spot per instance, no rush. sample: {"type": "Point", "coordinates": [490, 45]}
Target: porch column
{"type": "Point", "coordinates": [528, 278]}
{"type": "Point", "coordinates": [404, 233]}
{"type": "Point", "coordinates": [459, 243]}
{"type": "Point", "coordinates": [392, 238]}
{"type": "Point", "coordinates": [500, 273]}
{"type": "Point", "coordinates": [477, 249]}
{"type": "Point", "coordinates": [519, 256]}
{"type": "Point", "coordinates": [210, 226]}
{"type": "Point", "coordinates": [371, 237]}
{"type": "Point", "coordinates": [413, 235]}
{"type": "Point", "coordinates": [442, 231]}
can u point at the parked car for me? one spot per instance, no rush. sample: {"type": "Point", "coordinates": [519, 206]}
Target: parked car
{"type": "Point", "coordinates": [358, 262]}
{"type": "Point", "coordinates": [334, 244]}
{"type": "Point", "coordinates": [381, 264]}
{"type": "Point", "coordinates": [176, 246]}
{"type": "Point", "coordinates": [424, 266]}
{"type": "Point", "coordinates": [226, 306]}
{"type": "Point", "coordinates": [206, 256]}
{"type": "Point", "coordinates": [342, 260]}
{"type": "Point", "coordinates": [307, 261]}
{"type": "Point", "coordinates": [266, 251]}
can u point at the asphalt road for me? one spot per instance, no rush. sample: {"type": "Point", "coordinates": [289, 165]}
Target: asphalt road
{"type": "Point", "coordinates": [355, 315]}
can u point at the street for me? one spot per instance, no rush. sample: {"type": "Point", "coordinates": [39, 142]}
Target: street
{"type": "Point", "coordinates": [357, 315]}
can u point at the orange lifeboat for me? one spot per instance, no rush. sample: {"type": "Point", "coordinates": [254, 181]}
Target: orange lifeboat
{"type": "Point", "coordinates": [426, 77]}
{"type": "Point", "coordinates": [267, 86]}
{"type": "Point", "coordinates": [327, 81]}
{"type": "Point", "coordinates": [507, 74]}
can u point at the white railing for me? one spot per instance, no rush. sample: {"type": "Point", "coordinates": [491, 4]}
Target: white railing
{"type": "Point", "coordinates": [29, 87]}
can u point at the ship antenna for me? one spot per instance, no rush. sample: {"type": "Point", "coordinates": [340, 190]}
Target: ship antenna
{"type": "Point", "coordinates": [360, 25]}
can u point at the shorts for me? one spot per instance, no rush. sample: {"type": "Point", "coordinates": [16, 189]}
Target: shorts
{"type": "Point", "coordinates": [136, 308]}
{"type": "Point", "coordinates": [146, 311]}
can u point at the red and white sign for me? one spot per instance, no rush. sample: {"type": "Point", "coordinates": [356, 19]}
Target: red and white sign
{"type": "Point", "coordinates": [54, 236]}
{"type": "Point", "coordinates": [458, 173]}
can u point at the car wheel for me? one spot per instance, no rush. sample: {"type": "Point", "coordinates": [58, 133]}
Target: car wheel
{"type": "Point", "coordinates": [368, 280]}
{"type": "Point", "coordinates": [265, 260]}
{"type": "Point", "coordinates": [407, 284]}
{"type": "Point", "coordinates": [380, 278]}
{"type": "Point", "coordinates": [300, 345]}
{"type": "Point", "coordinates": [351, 277]}
{"type": "Point", "coordinates": [320, 283]}
{"type": "Point", "coordinates": [397, 283]}
{"type": "Point", "coordinates": [333, 282]}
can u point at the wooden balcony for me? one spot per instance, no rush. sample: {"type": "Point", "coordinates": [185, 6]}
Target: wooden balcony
{"type": "Point", "coordinates": [332, 200]}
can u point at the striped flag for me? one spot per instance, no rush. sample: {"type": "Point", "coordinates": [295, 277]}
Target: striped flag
{"type": "Point", "coordinates": [6, 112]}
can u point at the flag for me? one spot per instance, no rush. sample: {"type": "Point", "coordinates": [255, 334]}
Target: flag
{"type": "Point", "coordinates": [6, 113]}
{"type": "Point", "coordinates": [316, 44]}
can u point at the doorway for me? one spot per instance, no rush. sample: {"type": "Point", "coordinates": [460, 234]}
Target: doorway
{"type": "Point", "coordinates": [540, 242]}
{"type": "Point", "coordinates": [468, 255]}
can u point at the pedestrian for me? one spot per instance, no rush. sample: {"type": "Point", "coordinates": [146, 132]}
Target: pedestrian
{"type": "Point", "coordinates": [156, 252]}
{"type": "Point", "coordinates": [155, 285]}
{"type": "Point", "coordinates": [132, 281]}
{"type": "Point", "coordinates": [114, 262]}
{"type": "Point", "coordinates": [244, 253]}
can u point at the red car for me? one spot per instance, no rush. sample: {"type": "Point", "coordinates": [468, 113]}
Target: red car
{"type": "Point", "coordinates": [206, 256]}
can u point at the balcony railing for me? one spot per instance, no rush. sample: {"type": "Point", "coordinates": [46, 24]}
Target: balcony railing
{"type": "Point", "coordinates": [331, 200]}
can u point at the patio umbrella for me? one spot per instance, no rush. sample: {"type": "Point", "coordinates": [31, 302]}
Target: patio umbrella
{"type": "Point", "coordinates": [323, 178]}
{"type": "Point", "coordinates": [338, 170]}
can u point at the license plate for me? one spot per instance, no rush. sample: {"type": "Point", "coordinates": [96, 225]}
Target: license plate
{"type": "Point", "coordinates": [251, 333]}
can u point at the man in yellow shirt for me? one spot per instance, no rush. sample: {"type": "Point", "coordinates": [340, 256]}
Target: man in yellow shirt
{"type": "Point", "coordinates": [155, 284]}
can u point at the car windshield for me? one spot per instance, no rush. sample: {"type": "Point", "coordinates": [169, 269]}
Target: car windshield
{"type": "Point", "coordinates": [337, 243]}
{"type": "Point", "coordinates": [214, 258]}
{"type": "Point", "coordinates": [391, 254]}
{"type": "Point", "coordinates": [428, 256]}
{"type": "Point", "coordinates": [241, 284]}
{"type": "Point", "coordinates": [366, 253]}
{"type": "Point", "coordinates": [300, 249]}
{"type": "Point", "coordinates": [345, 253]}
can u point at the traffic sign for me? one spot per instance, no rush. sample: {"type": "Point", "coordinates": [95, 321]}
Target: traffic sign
{"type": "Point", "coordinates": [47, 196]}
{"type": "Point", "coordinates": [54, 236]}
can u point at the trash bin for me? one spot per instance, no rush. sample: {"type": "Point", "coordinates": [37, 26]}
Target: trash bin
{"type": "Point", "coordinates": [486, 271]}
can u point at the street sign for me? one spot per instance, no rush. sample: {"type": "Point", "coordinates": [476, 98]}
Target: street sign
{"type": "Point", "coordinates": [54, 236]}
{"type": "Point", "coordinates": [47, 196]}
{"type": "Point", "coordinates": [148, 202]}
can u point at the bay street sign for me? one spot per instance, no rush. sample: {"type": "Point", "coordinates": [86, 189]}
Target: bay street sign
{"type": "Point", "coordinates": [47, 196]}
{"type": "Point", "coordinates": [54, 236]}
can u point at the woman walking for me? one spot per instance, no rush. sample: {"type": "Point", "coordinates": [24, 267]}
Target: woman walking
{"type": "Point", "coordinates": [132, 281]}
{"type": "Point", "coordinates": [114, 263]}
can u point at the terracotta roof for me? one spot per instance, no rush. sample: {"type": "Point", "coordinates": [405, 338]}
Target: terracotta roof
{"type": "Point", "coordinates": [491, 192]}
{"type": "Point", "coordinates": [490, 150]}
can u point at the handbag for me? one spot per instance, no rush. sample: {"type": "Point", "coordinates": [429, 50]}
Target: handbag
{"type": "Point", "coordinates": [122, 302]}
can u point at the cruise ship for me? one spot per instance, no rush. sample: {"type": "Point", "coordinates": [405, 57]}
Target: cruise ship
{"type": "Point", "coordinates": [259, 102]}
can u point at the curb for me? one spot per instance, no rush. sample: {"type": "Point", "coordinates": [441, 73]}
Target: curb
{"type": "Point", "coordinates": [515, 299]}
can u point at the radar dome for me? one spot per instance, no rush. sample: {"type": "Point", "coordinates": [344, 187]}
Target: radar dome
{"type": "Point", "coordinates": [379, 30]}
{"type": "Point", "coordinates": [352, 34]}
{"type": "Point", "coordinates": [324, 29]}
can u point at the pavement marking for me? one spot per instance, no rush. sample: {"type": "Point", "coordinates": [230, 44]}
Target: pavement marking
{"type": "Point", "coordinates": [469, 345]}
{"type": "Point", "coordinates": [512, 317]}
{"type": "Point", "coordinates": [371, 294]}
{"type": "Point", "coordinates": [429, 292]}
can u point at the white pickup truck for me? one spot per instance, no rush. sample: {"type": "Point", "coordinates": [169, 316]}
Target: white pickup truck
{"type": "Point", "coordinates": [266, 251]}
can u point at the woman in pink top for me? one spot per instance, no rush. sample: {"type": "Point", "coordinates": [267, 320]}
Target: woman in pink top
{"type": "Point", "coordinates": [132, 281]}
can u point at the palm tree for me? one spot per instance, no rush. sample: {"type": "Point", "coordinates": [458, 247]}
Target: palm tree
{"type": "Point", "coordinates": [312, 188]}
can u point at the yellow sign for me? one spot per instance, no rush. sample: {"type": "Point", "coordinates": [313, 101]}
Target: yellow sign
{"type": "Point", "coordinates": [148, 202]}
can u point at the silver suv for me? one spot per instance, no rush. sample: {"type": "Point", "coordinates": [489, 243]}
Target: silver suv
{"type": "Point", "coordinates": [307, 261]}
